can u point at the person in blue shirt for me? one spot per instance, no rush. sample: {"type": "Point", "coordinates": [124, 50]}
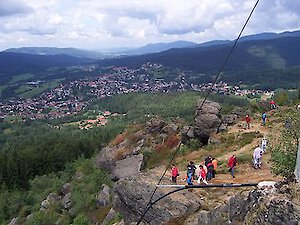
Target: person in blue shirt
{"type": "Point", "coordinates": [190, 173]}
{"type": "Point", "coordinates": [264, 118]}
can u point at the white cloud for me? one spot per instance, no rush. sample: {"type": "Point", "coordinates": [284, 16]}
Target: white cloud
{"type": "Point", "coordinates": [103, 24]}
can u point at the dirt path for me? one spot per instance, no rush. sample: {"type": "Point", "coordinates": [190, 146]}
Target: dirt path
{"type": "Point", "coordinates": [245, 173]}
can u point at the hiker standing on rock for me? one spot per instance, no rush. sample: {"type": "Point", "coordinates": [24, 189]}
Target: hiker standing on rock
{"type": "Point", "coordinates": [175, 173]}
{"type": "Point", "coordinates": [248, 120]}
{"type": "Point", "coordinates": [232, 162]}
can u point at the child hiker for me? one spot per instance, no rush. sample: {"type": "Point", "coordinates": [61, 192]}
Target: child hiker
{"type": "Point", "coordinates": [175, 173]}
{"type": "Point", "coordinates": [202, 175]}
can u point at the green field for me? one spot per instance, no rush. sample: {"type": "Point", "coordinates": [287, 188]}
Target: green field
{"type": "Point", "coordinates": [11, 119]}
{"type": "Point", "coordinates": [2, 87]}
{"type": "Point", "coordinates": [21, 77]}
{"type": "Point", "coordinates": [25, 92]}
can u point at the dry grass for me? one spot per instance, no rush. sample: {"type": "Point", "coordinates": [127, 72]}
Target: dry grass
{"type": "Point", "coordinates": [119, 139]}
{"type": "Point", "coordinates": [121, 153]}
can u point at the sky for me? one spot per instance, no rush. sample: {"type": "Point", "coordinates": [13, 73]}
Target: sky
{"type": "Point", "coordinates": [109, 24]}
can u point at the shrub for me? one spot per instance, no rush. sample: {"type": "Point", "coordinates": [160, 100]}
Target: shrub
{"type": "Point", "coordinates": [172, 141]}
{"type": "Point", "coordinates": [284, 154]}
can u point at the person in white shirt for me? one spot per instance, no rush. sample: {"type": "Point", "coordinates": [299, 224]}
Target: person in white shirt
{"type": "Point", "coordinates": [257, 156]}
{"type": "Point", "coordinates": [264, 142]}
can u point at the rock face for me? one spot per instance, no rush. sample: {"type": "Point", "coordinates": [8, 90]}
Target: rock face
{"type": "Point", "coordinates": [259, 207]}
{"type": "Point", "coordinates": [155, 125]}
{"type": "Point", "coordinates": [130, 163]}
{"type": "Point", "coordinates": [207, 120]}
{"type": "Point", "coordinates": [103, 198]}
{"type": "Point", "coordinates": [52, 198]}
{"type": "Point", "coordinates": [132, 196]}
{"type": "Point", "coordinates": [128, 167]}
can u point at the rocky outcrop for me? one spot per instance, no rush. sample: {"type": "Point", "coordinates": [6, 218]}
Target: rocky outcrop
{"type": "Point", "coordinates": [14, 221]}
{"type": "Point", "coordinates": [259, 207]}
{"type": "Point", "coordinates": [207, 121]}
{"type": "Point", "coordinates": [128, 167]}
{"type": "Point", "coordinates": [132, 196]}
{"type": "Point", "coordinates": [51, 199]}
{"type": "Point", "coordinates": [109, 217]}
{"type": "Point", "coordinates": [155, 125]}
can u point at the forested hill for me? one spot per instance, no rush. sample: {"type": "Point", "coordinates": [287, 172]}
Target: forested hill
{"type": "Point", "coordinates": [254, 55]}
{"type": "Point", "coordinates": [57, 51]}
{"type": "Point", "coordinates": [17, 63]}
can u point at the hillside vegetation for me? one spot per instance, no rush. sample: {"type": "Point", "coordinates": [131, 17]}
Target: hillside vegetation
{"type": "Point", "coordinates": [39, 158]}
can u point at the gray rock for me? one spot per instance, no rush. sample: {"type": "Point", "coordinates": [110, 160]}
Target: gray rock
{"type": "Point", "coordinates": [52, 198]}
{"type": "Point", "coordinates": [214, 141]}
{"type": "Point", "coordinates": [209, 107]}
{"type": "Point", "coordinates": [223, 127]}
{"type": "Point", "coordinates": [259, 207]}
{"type": "Point", "coordinates": [66, 201]}
{"type": "Point", "coordinates": [66, 188]}
{"type": "Point", "coordinates": [103, 198]}
{"type": "Point", "coordinates": [230, 119]}
{"type": "Point", "coordinates": [110, 216]}
{"type": "Point", "coordinates": [132, 196]}
{"type": "Point", "coordinates": [30, 216]}
{"type": "Point", "coordinates": [14, 221]}
{"type": "Point", "coordinates": [207, 120]}
{"type": "Point", "coordinates": [171, 128]}
{"type": "Point", "coordinates": [155, 125]}
{"type": "Point", "coordinates": [128, 167]}
{"type": "Point", "coordinates": [105, 159]}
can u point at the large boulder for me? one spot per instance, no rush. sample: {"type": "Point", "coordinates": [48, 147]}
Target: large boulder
{"type": "Point", "coordinates": [105, 159]}
{"type": "Point", "coordinates": [128, 167]}
{"type": "Point", "coordinates": [132, 196]}
{"type": "Point", "coordinates": [155, 125]}
{"type": "Point", "coordinates": [207, 120]}
{"type": "Point", "coordinates": [51, 199]}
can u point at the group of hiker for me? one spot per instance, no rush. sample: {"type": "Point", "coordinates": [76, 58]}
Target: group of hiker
{"type": "Point", "coordinates": [203, 172]}
{"type": "Point", "coordinates": [263, 119]}
{"type": "Point", "coordinates": [263, 115]}
{"type": "Point", "coordinates": [206, 171]}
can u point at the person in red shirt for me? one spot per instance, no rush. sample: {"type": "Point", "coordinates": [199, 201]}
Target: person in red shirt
{"type": "Point", "coordinates": [232, 162]}
{"type": "Point", "coordinates": [272, 104]}
{"type": "Point", "coordinates": [248, 120]}
{"type": "Point", "coordinates": [175, 173]}
{"type": "Point", "coordinates": [202, 175]}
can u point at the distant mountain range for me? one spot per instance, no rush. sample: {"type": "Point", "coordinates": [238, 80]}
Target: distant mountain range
{"type": "Point", "coordinates": [159, 47]}
{"type": "Point", "coordinates": [17, 63]}
{"type": "Point", "coordinates": [276, 53]}
{"type": "Point", "coordinates": [254, 53]}
{"type": "Point", "coordinates": [58, 51]}
{"type": "Point", "coordinates": [147, 49]}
